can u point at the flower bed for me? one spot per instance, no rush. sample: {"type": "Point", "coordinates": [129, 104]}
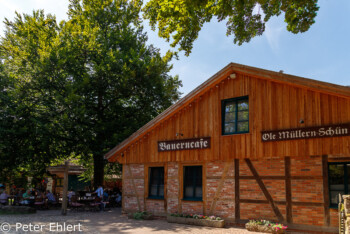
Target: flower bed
{"type": "Point", "coordinates": [199, 220]}
{"type": "Point", "coordinates": [141, 215]}
{"type": "Point", "coordinates": [265, 226]}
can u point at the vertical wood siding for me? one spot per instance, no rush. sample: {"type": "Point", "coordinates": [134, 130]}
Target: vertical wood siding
{"type": "Point", "coordinates": [272, 106]}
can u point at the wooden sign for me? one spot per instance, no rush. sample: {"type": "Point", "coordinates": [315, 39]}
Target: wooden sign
{"type": "Point", "coordinates": [306, 133]}
{"type": "Point", "coordinates": [184, 144]}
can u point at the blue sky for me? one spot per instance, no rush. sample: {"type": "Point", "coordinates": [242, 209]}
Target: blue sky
{"type": "Point", "coordinates": [322, 53]}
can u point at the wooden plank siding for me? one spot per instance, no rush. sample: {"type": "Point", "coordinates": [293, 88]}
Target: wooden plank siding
{"type": "Point", "coordinates": [272, 105]}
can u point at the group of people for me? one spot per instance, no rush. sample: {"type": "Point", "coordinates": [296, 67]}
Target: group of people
{"type": "Point", "coordinates": [30, 196]}
{"type": "Point", "coordinates": [26, 197]}
{"type": "Point", "coordinates": [102, 196]}
{"type": "Point", "coordinates": [33, 196]}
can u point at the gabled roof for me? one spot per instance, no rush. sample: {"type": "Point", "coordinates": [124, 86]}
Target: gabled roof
{"type": "Point", "coordinates": [279, 77]}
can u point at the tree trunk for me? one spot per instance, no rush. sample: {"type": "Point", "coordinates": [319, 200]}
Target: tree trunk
{"type": "Point", "coordinates": [98, 170]}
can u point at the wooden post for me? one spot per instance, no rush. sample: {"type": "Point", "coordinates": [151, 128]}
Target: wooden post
{"type": "Point", "coordinates": [219, 188]}
{"type": "Point", "coordinates": [65, 188]}
{"type": "Point", "coordinates": [288, 184]}
{"type": "Point", "coordinates": [327, 218]}
{"type": "Point", "coordinates": [134, 186]}
{"type": "Point", "coordinates": [237, 203]}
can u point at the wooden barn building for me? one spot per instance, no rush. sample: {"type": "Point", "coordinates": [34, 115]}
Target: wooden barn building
{"type": "Point", "coordinates": [246, 144]}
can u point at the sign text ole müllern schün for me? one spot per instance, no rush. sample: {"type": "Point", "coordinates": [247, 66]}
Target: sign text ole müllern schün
{"type": "Point", "coordinates": [306, 133]}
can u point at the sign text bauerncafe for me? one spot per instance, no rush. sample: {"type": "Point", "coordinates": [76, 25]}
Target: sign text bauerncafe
{"type": "Point", "coordinates": [184, 144]}
{"type": "Point", "coordinates": [306, 133]}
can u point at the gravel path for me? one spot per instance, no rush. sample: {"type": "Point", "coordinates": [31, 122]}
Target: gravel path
{"type": "Point", "coordinates": [99, 222]}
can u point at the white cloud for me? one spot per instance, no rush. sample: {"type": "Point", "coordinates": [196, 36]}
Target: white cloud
{"type": "Point", "coordinates": [273, 34]}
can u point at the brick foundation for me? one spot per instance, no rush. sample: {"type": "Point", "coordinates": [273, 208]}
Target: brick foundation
{"type": "Point", "coordinates": [303, 191]}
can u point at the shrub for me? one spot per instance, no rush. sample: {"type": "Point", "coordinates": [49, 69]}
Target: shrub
{"type": "Point", "coordinates": [140, 215]}
{"type": "Point", "coordinates": [196, 216]}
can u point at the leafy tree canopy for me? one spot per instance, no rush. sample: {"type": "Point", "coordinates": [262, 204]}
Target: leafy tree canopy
{"type": "Point", "coordinates": [83, 85]}
{"type": "Point", "coordinates": [30, 133]}
{"type": "Point", "coordinates": [183, 19]}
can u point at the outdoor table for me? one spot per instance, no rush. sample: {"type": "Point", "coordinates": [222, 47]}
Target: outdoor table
{"type": "Point", "coordinates": [86, 200]}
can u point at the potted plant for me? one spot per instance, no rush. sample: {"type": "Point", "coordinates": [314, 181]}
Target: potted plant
{"type": "Point", "coordinates": [199, 220]}
{"type": "Point", "coordinates": [265, 226]}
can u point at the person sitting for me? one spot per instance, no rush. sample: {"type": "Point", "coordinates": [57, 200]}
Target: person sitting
{"type": "Point", "coordinates": [105, 196]}
{"type": "Point", "coordinates": [99, 192]}
{"type": "Point", "coordinates": [39, 201]}
{"type": "Point", "coordinates": [3, 197]}
{"type": "Point", "coordinates": [51, 200]}
{"type": "Point", "coordinates": [118, 200]}
{"type": "Point", "coordinates": [32, 192]}
{"type": "Point", "coordinates": [26, 198]}
{"type": "Point", "coordinates": [70, 194]}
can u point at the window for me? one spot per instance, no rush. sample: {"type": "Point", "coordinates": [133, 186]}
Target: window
{"type": "Point", "coordinates": [193, 183]}
{"type": "Point", "coordinates": [59, 182]}
{"type": "Point", "coordinates": [338, 181]}
{"type": "Point", "coordinates": [235, 116]}
{"type": "Point", "coordinates": [156, 183]}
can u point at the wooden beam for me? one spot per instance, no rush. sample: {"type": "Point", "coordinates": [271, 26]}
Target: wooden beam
{"type": "Point", "coordinates": [65, 188]}
{"type": "Point", "coordinates": [205, 189]}
{"type": "Point", "coordinates": [263, 177]}
{"type": "Point", "coordinates": [254, 201]}
{"type": "Point", "coordinates": [317, 204]}
{"type": "Point", "coordinates": [282, 177]}
{"type": "Point", "coordinates": [146, 188]}
{"type": "Point", "coordinates": [237, 204]}
{"type": "Point", "coordinates": [219, 188]}
{"type": "Point", "coordinates": [123, 187]}
{"type": "Point", "coordinates": [288, 184]}
{"type": "Point", "coordinates": [264, 190]}
{"type": "Point", "coordinates": [180, 191]}
{"type": "Point", "coordinates": [327, 218]}
{"type": "Point", "coordinates": [165, 188]}
{"type": "Point", "coordinates": [134, 186]}
{"type": "Point", "coordinates": [306, 177]}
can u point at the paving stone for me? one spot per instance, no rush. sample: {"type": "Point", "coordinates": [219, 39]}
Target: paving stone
{"type": "Point", "coordinates": [103, 222]}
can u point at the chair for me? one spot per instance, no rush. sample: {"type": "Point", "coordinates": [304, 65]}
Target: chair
{"type": "Point", "coordinates": [107, 205]}
{"type": "Point", "coordinates": [94, 206]}
{"type": "Point", "coordinates": [53, 203]}
{"type": "Point", "coordinates": [39, 203]}
{"type": "Point", "coordinates": [75, 205]}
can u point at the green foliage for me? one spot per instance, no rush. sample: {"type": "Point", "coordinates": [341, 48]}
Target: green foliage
{"type": "Point", "coordinates": [196, 216]}
{"type": "Point", "coordinates": [140, 215]}
{"type": "Point", "coordinates": [183, 19]}
{"type": "Point", "coordinates": [78, 87]}
{"type": "Point", "coordinates": [30, 132]}
{"type": "Point", "coordinates": [119, 83]}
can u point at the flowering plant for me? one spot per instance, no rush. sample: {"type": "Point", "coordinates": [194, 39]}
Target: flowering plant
{"type": "Point", "coordinates": [276, 227]}
{"type": "Point", "coordinates": [196, 216]}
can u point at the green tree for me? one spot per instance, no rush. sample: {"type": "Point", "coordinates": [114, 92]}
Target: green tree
{"type": "Point", "coordinates": [117, 82]}
{"type": "Point", "coordinates": [30, 132]}
{"type": "Point", "coordinates": [183, 19]}
{"type": "Point", "coordinates": [81, 86]}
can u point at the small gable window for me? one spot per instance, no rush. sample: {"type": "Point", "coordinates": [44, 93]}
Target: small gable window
{"type": "Point", "coordinates": [235, 116]}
